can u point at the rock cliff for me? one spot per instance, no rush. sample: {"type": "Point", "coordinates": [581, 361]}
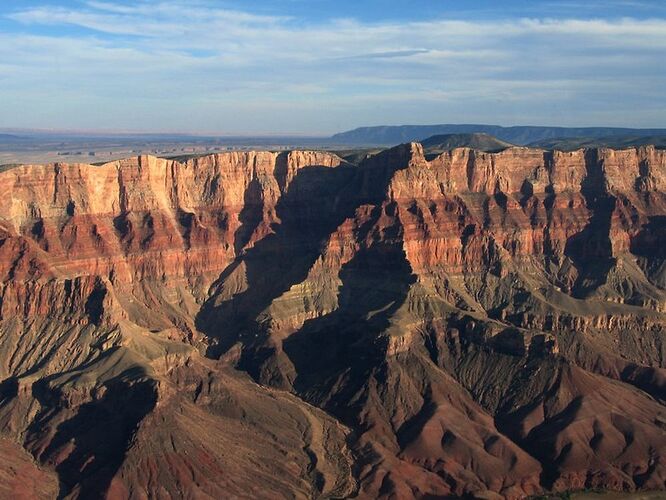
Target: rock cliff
{"type": "Point", "coordinates": [286, 324]}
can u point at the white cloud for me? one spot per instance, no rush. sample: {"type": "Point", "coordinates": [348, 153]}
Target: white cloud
{"type": "Point", "coordinates": [211, 68]}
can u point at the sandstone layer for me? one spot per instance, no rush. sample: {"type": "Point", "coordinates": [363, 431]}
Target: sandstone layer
{"type": "Point", "coordinates": [266, 325]}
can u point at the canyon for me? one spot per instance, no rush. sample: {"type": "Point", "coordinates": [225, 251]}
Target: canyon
{"type": "Point", "coordinates": [291, 325]}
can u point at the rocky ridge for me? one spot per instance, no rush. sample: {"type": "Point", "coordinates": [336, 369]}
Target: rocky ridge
{"type": "Point", "coordinates": [481, 323]}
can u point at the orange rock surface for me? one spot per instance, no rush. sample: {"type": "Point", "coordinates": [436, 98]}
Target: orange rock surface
{"type": "Point", "coordinates": [266, 325]}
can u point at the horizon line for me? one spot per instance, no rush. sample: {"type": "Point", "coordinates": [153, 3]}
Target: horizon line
{"type": "Point", "coordinates": [297, 135]}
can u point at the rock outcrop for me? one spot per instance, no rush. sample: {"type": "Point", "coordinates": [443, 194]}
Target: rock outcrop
{"type": "Point", "coordinates": [286, 324]}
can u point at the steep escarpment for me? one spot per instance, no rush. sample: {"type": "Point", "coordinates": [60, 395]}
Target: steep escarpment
{"type": "Point", "coordinates": [474, 324]}
{"type": "Point", "coordinates": [103, 272]}
{"type": "Point", "coordinates": [504, 282]}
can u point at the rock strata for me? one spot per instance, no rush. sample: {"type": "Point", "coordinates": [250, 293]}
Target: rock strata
{"type": "Point", "coordinates": [271, 325]}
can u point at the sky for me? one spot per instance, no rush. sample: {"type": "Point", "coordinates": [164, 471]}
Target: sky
{"type": "Point", "coordinates": [315, 67]}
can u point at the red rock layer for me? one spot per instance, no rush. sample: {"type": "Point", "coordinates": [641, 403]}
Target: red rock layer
{"type": "Point", "coordinates": [483, 323]}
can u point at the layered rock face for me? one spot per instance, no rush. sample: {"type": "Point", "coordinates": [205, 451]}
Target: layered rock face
{"type": "Point", "coordinates": [289, 325]}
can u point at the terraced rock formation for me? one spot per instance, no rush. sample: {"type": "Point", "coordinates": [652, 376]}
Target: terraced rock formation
{"type": "Point", "coordinates": [268, 325]}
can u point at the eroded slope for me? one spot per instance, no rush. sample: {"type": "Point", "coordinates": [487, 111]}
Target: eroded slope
{"type": "Point", "coordinates": [476, 323]}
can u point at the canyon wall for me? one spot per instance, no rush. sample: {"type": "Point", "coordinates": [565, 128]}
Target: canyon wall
{"type": "Point", "coordinates": [481, 323]}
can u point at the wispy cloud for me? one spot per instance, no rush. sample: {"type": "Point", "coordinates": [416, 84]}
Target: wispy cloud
{"type": "Point", "coordinates": [190, 65]}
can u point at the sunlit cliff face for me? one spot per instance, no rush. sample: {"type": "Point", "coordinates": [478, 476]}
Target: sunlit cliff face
{"type": "Point", "coordinates": [478, 322]}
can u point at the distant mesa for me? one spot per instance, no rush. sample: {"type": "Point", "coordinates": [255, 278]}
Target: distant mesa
{"type": "Point", "coordinates": [613, 142]}
{"type": "Point", "coordinates": [10, 138]}
{"type": "Point", "coordinates": [521, 135]}
{"type": "Point", "coordinates": [481, 142]}
{"type": "Point", "coordinates": [20, 146]}
{"type": "Point", "coordinates": [487, 143]}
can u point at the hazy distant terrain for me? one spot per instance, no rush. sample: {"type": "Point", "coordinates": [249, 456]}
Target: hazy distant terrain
{"type": "Point", "coordinates": [35, 147]}
{"type": "Point", "coordinates": [482, 142]}
{"type": "Point", "coordinates": [615, 142]}
{"type": "Point", "coordinates": [39, 147]}
{"type": "Point", "coordinates": [521, 135]}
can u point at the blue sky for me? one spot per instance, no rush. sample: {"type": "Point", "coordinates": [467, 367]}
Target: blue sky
{"type": "Point", "coordinates": [318, 66]}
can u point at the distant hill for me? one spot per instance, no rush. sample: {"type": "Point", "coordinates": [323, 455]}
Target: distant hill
{"type": "Point", "coordinates": [433, 146]}
{"type": "Point", "coordinates": [483, 142]}
{"type": "Point", "coordinates": [7, 138]}
{"type": "Point", "coordinates": [356, 156]}
{"type": "Point", "coordinates": [619, 142]}
{"type": "Point", "coordinates": [522, 135]}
